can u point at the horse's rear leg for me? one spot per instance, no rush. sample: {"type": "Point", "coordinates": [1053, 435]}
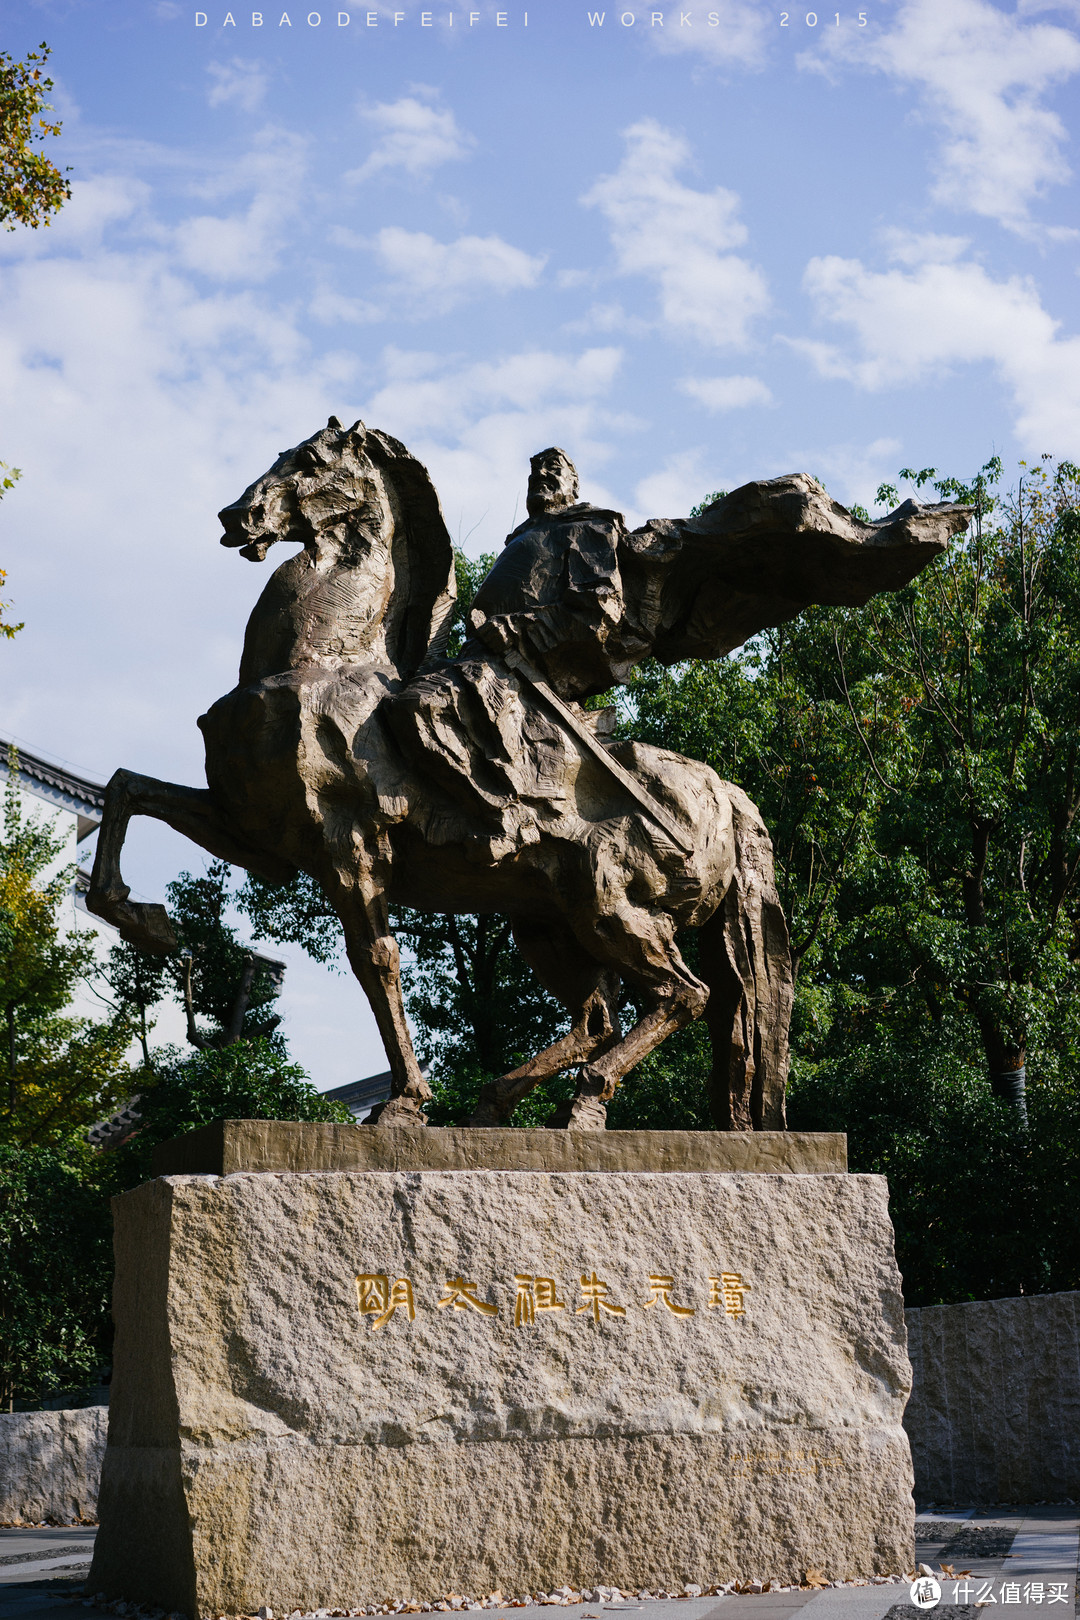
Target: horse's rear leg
{"type": "Point", "coordinates": [644, 947]}
{"type": "Point", "coordinates": [588, 990]}
{"type": "Point", "coordinates": [356, 888]}
{"type": "Point", "coordinates": [745, 958]}
{"type": "Point", "coordinates": [190, 811]}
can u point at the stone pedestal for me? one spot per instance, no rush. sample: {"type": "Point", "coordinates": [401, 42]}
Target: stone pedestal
{"type": "Point", "coordinates": [341, 1387]}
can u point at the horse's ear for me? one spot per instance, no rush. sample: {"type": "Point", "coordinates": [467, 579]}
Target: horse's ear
{"type": "Point", "coordinates": [332, 422]}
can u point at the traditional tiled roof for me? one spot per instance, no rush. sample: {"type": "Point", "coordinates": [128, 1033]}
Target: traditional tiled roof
{"type": "Point", "coordinates": [60, 787]}
{"type": "Point", "coordinates": [361, 1096]}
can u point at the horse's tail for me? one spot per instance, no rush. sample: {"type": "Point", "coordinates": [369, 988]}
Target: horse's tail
{"type": "Point", "coordinates": [745, 959]}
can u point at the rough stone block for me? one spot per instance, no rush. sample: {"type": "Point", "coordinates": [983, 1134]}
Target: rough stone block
{"type": "Point", "coordinates": [50, 1464]}
{"type": "Point", "coordinates": [995, 1407]}
{"type": "Point", "coordinates": [228, 1145]}
{"type": "Point", "coordinates": [552, 1399]}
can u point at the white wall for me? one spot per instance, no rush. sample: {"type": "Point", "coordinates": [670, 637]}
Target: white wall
{"type": "Point", "coordinates": [90, 999]}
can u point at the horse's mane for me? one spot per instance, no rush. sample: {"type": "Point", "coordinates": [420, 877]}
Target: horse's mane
{"type": "Point", "coordinates": [417, 621]}
{"type": "Point", "coordinates": [326, 484]}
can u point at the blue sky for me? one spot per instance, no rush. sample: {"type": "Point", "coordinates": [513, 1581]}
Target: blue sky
{"type": "Point", "coordinates": [691, 253]}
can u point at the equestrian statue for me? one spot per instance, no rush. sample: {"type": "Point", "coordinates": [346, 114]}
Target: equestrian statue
{"type": "Point", "coordinates": [353, 749]}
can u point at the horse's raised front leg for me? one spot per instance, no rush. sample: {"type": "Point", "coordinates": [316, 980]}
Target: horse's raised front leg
{"type": "Point", "coordinates": [190, 811]}
{"type": "Point", "coordinates": [356, 887]}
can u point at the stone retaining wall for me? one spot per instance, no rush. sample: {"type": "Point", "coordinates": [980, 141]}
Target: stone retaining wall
{"type": "Point", "coordinates": [994, 1414]}
{"type": "Point", "coordinates": [50, 1464]}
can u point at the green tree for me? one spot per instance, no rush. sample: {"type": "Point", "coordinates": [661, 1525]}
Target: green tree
{"type": "Point", "coordinates": [31, 187]}
{"type": "Point", "coordinates": [136, 982]}
{"type": "Point", "coordinates": [477, 1008]}
{"type": "Point", "coordinates": [55, 1272]}
{"type": "Point", "coordinates": [249, 1079]}
{"type": "Point", "coordinates": [916, 762]}
{"type": "Point", "coordinates": [216, 978]}
{"type": "Point", "coordinates": [8, 479]}
{"type": "Point", "coordinates": [60, 1071]}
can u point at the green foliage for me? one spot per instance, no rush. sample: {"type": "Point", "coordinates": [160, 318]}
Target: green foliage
{"type": "Point", "coordinates": [295, 913]}
{"type": "Point", "coordinates": [216, 978]}
{"type": "Point", "coordinates": [8, 478]}
{"type": "Point", "coordinates": [59, 1072]}
{"type": "Point", "coordinates": [469, 575]}
{"type": "Point", "coordinates": [251, 1079]}
{"type": "Point", "coordinates": [980, 1211]}
{"type": "Point", "coordinates": [137, 981]}
{"type": "Point", "coordinates": [478, 1009]}
{"type": "Point", "coordinates": [918, 765]}
{"type": "Point", "coordinates": [55, 1272]}
{"type": "Point", "coordinates": [31, 187]}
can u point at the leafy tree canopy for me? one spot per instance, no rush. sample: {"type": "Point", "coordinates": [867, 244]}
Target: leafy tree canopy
{"type": "Point", "coordinates": [31, 187]}
{"type": "Point", "coordinates": [55, 1272]}
{"type": "Point", "coordinates": [250, 1079]}
{"type": "Point", "coordinates": [917, 764]}
{"type": "Point", "coordinates": [60, 1072]}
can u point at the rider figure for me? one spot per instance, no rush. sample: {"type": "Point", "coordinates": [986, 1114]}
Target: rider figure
{"type": "Point", "coordinates": [555, 594]}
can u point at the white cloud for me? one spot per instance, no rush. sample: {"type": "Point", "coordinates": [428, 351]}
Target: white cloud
{"type": "Point", "coordinates": [245, 246]}
{"type": "Point", "coordinates": [680, 239]}
{"type": "Point", "coordinates": [331, 308]}
{"type": "Point", "coordinates": [739, 35]}
{"type": "Point", "coordinates": [726, 393]}
{"type": "Point", "coordinates": [97, 203]}
{"type": "Point", "coordinates": [914, 247]}
{"type": "Point", "coordinates": [983, 74]}
{"type": "Point", "coordinates": [239, 82]}
{"type": "Point", "coordinates": [414, 136]}
{"type": "Point", "coordinates": [475, 425]}
{"type": "Point", "coordinates": [680, 484]}
{"type": "Point", "coordinates": [850, 472]}
{"type": "Point", "coordinates": [610, 317]}
{"type": "Point", "coordinates": [444, 273]}
{"type": "Point", "coordinates": [916, 323]}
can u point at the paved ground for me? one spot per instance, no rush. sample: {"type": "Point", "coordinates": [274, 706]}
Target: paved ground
{"type": "Point", "coordinates": [1007, 1558]}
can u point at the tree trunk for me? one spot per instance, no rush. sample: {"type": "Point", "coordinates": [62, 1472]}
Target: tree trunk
{"type": "Point", "coordinates": [1005, 1058]}
{"type": "Point", "coordinates": [240, 1004]}
{"type": "Point", "coordinates": [1005, 1061]}
{"type": "Point", "coordinates": [13, 1094]}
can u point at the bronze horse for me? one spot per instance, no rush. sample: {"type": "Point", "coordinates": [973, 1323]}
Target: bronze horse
{"type": "Point", "coordinates": [354, 750]}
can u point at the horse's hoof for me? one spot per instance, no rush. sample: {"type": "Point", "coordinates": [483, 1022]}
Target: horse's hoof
{"type": "Point", "coordinates": [146, 926]}
{"type": "Point", "coordinates": [580, 1114]}
{"type": "Point", "coordinates": [397, 1111]}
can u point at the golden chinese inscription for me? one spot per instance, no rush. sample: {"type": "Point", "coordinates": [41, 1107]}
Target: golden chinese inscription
{"type": "Point", "coordinates": [728, 1290]}
{"type": "Point", "coordinates": [594, 1293]}
{"type": "Point", "coordinates": [534, 1294]}
{"type": "Point", "coordinates": [377, 1296]}
{"type": "Point", "coordinates": [462, 1297]}
{"type": "Point", "coordinates": [660, 1294]}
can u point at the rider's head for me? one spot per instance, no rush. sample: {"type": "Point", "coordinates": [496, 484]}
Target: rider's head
{"type": "Point", "coordinates": [553, 482]}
